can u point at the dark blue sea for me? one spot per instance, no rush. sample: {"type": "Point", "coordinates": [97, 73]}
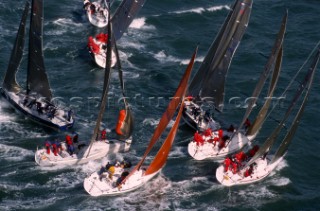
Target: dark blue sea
{"type": "Point", "coordinates": [154, 52]}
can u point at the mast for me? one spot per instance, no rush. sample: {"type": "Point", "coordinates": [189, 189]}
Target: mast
{"type": "Point", "coordinates": [209, 81]}
{"type": "Point", "coordinates": [124, 15]}
{"type": "Point", "coordinates": [105, 85]}
{"type": "Point", "coordinates": [128, 124]}
{"type": "Point", "coordinates": [10, 82]}
{"type": "Point", "coordinates": [37, 79]}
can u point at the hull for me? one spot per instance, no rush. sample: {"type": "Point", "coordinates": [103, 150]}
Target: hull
{"type": "Point", "coordinates": [212, 151]}
{"type": "Point", "coordinates": [58, 122]}
{"type": "Point", "coordinates": [100, 58]}
{"type": "Point", "coordinates": [98, 150]}
{"type": "Point", "coordinates": [199, 121]}
{"type": "Point", "coordinates": [261, 170]}
{"type": "Point", "coordinates": [98, 17]}
{"type": "Point", "coordinates": [106, 186]}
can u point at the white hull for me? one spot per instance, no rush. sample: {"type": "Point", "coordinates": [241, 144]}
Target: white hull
{"type": "Point", "coordinates": [209, 150]}
{"type": "Point", "coordinates": [96, 187]}
{"type": "Point", "coordinates": [198, 122]}
{"type": "Point", "coordinates": [59, 121]}
{"type": "Point", "coordinates": [98, 18]}
{"type": "Point", "coordinates": [261, 170]}
{"type": "Point", "coordinates": [100, 58]}
{"type": "Point", "coordinates": [98, 150]}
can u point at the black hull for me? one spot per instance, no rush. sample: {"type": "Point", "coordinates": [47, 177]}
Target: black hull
{"type": "Point", "coordinates": [33, 117]}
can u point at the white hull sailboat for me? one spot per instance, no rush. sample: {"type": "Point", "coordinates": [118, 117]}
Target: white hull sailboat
{"type": "Point", "coordinates": [212, 150]}
{"type": "Point", "coordinates": [109, 183]}
{"type": "Point", "coordinates": [261, 163]}
{"type": "Point", "coordinates": [97, 13]}
{"type": "Point", "coordinates": [34, 101]}
{"type": "Point", "coordinates": [260, 170]}
{"type": "Point", "coordinates": [98, 150]}
{"type": "Point", "coordinates": [206, 90]}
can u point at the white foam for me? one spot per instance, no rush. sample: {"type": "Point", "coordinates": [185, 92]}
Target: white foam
{"type": "Point", "coordinates": [200, 10]}
{"type": "Point", "coordinates": [138, 23]}
{"type": "Point", "coordinates": [13, 153]}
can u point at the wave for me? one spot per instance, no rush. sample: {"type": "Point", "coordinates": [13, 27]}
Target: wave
{"type": "Point", "coordinates": [200, 10]}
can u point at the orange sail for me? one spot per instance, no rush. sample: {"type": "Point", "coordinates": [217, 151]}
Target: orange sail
{"type": "Point", "coordinates": [121, 118]}
{"type": "Point", "coordinates": [168, 114]}
{"type": "Point", "coordinates": [161, 158]}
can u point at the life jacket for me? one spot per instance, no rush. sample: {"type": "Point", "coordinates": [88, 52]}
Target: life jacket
{"type": "Point", "coordinates": [220, 133]}
{"type": "Point", "coordinates": [102, 37]}
{"type": "Point", "coordinates": [47, 145]}
{"type": "Point", "coordinates": [198, 139]}
{"type": "Point", "coordinates": [68, 140]}
{"type": "Point", "coordinates": [227, 163]}
{"type": "Point", "coordinates": [103, 134]}
{"type": "Point", "coordinates": [54, 149]}
{"type": "Point", "coordinates": [208, 132]}
{"type": "Point", "coordinates": [234, 167]}
{"type": "Point", "coordinates": [93, 46]}
{"type": "Point", "coordinates": [121, 118]}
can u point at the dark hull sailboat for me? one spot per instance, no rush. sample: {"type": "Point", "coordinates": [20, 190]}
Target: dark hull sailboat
{"type": "Point", "coordinates": [99, 147]}
{"type": "Point", "coordinates": [35, 100]}
{"type": "Point", "coordinates": [121, 19]}
{"type": "Point", "coordinates": [207, 86]}
{"type": "Point", "coordinates": [261, 164]}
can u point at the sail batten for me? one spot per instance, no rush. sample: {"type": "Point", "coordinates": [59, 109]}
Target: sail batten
{"type": "Point", "coordinates": [37, 79]}
{"type": "Point", "coordinates": [10, 82]}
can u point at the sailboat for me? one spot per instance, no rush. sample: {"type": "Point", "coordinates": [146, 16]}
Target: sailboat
{"type": "Point", "coordinates": [121, 20]}
{"type": "Point", "coordinates": [98, 147]}
{"type": "Point", "coordinates": [261, 164]}
{"type": "Point", "coordinates": [96, 185]}
{"type": "Point", "coordinates": [97, 12]}
{"type": "Point", "coordinates": [35, 100]}
{"type": "Point", "coordinates": [220, 143]}
{"type": "Point", "coordinates": [207, 86]}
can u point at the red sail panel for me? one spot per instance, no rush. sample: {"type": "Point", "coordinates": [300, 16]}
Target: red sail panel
{"type": "Point", "coordinates": [161, 158]}
{"type": "Point", "coordinates": [168, 114]}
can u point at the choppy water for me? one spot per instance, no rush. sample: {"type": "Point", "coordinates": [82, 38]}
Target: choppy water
{"type": "Point", "coordinates": [155, 51]}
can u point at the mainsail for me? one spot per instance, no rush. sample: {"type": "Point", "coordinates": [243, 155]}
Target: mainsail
{"type": "Point", "coordinates": [10, 82]}
{"type": "Point", "coordinates": [257, 123]}
{"type": "Point", "coordinates": [271, 61]}
{"type": "Point", "coordinates": [209, 81]}
{"type": "Point", "coordinates": [165, 119]}
{"type": "Point", "coordinates": [264, 149]}
{"type": "Point", "coordinates": [37, 80]}
{"type": "Point", "coordinates": [124, 15]}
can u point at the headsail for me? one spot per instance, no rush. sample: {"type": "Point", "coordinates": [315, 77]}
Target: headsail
{"type": "Point", "coordinates": [209, 80]}
{"type": "Point", "coordinates": [256, 125]}
{"type": "Point", "coordinates": [271, 139]}
{"type": "Point", "coordinates": [124, 15]}
{"type": "Point", "coordinates": [287, 140]}
{"type": "Point", "coordinates": [263, 77]}
{"type": "Point", "coordinates": [168, 114]}
{"type": "Point", "coordinates": [10, 82]}
{"type": "Point", "coordinates": [37, 80]}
